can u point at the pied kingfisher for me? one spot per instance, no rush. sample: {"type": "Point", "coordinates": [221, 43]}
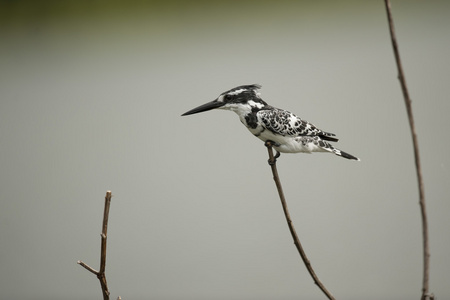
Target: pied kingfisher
{"type": "Point", "coordinates": [287, 132]}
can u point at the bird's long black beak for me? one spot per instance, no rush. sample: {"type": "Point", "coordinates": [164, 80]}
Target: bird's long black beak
{"type": "Point", "coordinates": [204, 107]}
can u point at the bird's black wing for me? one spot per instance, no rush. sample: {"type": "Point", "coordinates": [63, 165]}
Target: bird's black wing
{"type": "Point", "coordinates": [287, 124]}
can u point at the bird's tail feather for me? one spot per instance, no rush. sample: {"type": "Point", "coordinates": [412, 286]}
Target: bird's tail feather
{"type": "Point", "coordinates": [330, 148]}
{"type": "Point", "coordinates": [344, 154]}
{"type": "Point", "coordinates": [327, 136]}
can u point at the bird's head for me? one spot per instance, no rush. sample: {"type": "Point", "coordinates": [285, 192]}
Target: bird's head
{"type": "Point", "coordinates": [240, 99]}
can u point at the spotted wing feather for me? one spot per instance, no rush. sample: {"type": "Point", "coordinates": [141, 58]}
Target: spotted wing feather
{"type": "Point", "coordinates": [286, 123]}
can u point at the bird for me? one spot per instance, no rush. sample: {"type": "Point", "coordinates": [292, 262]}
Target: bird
{"type": "Point", "coordinates": [285, 132]}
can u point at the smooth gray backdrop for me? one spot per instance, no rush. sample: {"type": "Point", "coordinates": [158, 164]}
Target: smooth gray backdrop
{"type": "Point", "coordinates": [91, 95]}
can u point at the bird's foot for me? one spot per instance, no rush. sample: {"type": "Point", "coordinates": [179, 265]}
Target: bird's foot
{"type": "Point", "coordinates": [277, 155]}
{"type": "Point", "coordinates": [273, 161]}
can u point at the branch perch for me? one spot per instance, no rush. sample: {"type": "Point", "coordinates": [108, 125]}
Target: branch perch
{"type": "Point", "coordinates": [101, 273]}
{"type": "Point", "coordinates": [401, 77]}
{"type": "Point", "coordinates": [298, 245]}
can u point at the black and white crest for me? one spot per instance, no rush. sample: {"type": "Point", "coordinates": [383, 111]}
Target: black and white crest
{"type": "Point", "coordinates": [242, 94]}
{"type": "Point", "coordinates": [251, 88]}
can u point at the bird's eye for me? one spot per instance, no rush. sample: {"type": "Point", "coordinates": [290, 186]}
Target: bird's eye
{"type": "Point", "coordinates": [228, 97]}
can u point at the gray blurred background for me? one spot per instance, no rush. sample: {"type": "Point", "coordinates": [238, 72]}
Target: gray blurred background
{"type": "Point", "coordinates": [91, 96]}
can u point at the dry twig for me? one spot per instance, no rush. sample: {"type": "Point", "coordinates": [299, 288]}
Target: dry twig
{"type": "Point", "coordinates": [426, 252]}
{"type": "Point", "coordinates": [272, 163]}
{"type": "Point", "coordinates": [101, 273]}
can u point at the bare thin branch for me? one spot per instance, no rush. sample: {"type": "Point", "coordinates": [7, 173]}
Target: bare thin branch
{"type": "Point", "coordinates": [90, 269]}
{"type": "Point", "coordinates": [426, 252]}
{"type": "Point", "coordinates": [101, 273]}
{"type": "Point", "coordinates": [105, 231]}
{"type": "Point", "coordinates": [272, 163]}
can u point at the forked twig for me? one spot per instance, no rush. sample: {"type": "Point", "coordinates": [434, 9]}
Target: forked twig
{"type": "Point", "coordinates": [426, 251]}
{"type": "Point", "coordinates": [101, 273]}
{"type": "Point", "coordinates": [276, 178]}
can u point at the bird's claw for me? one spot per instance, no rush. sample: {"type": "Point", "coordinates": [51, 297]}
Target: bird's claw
{"type": "Point", "coordinates": [277, 155]}
{"type": "Point", "coordinates": [274, 159]}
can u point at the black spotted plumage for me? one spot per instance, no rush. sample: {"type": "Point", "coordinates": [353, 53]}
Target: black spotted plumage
{"type": "Point", "coordinates": [252, 119]}
{"type": "Point", "coordinates": [285, 123]}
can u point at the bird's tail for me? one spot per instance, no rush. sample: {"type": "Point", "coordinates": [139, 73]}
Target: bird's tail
{"type": "Point", "coordinates": [328, 147]}
{"type": "Point", "coordinates": [344, 154]}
